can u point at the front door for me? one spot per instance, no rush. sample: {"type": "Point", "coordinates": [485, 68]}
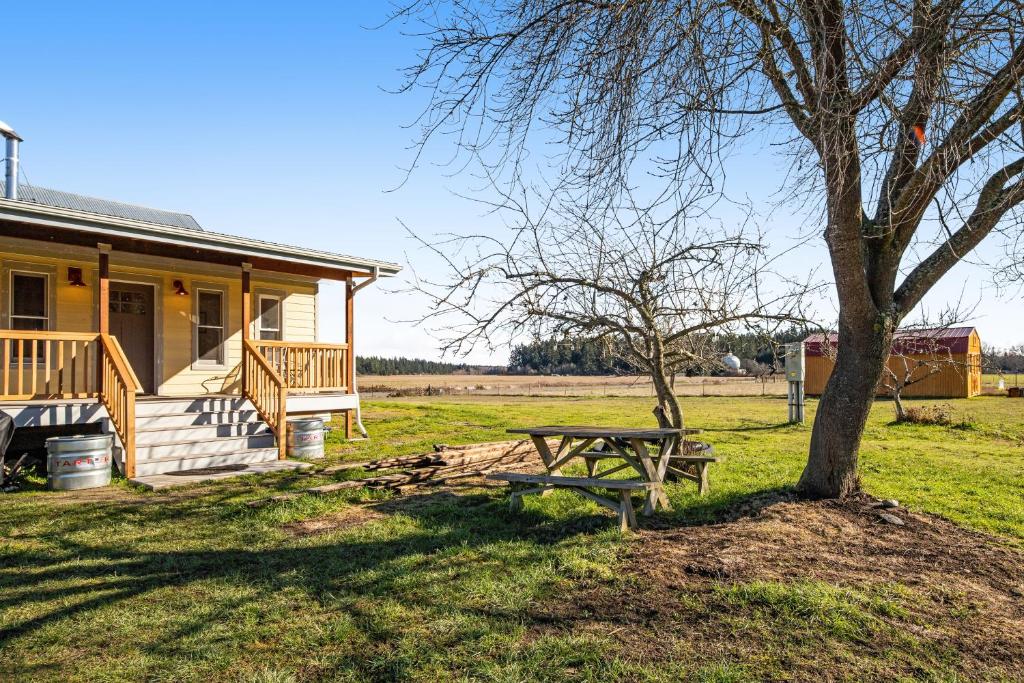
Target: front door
{"type": "Point", "coordinates": [131, 321]}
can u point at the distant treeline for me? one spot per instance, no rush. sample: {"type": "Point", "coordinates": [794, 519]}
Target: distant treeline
{"type": "Point", "coordinates": [579, 357]}
{"type": "Point", "coordinates": [585, 357]}
{"type": "Point", "coordinates": [1003, 360]}
{"type": "Point", "coordinates": [377, 365]}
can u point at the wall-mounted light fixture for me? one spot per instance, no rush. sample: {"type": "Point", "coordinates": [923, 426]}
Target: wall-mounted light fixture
{"type": "Point", "coordinates": [179, 288]}
{"type": "Point", "coordinates": [75, 277]}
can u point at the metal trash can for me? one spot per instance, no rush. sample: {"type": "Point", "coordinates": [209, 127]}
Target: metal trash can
{"type": "Point", "coordinates": [78, 462]}
{"type": "Point", "coordinates": [305, 438]}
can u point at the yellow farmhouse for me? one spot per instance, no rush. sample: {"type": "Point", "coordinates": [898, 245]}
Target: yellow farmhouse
{"type": "Point", "coordinates": [191, 347]}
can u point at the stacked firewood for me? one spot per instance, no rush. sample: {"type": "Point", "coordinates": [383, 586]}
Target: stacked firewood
{"type": "Point", "coordinates": [446, 464]}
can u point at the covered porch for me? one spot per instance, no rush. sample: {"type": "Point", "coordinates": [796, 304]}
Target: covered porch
{"type": "Point", "coordinates": [151, 311]}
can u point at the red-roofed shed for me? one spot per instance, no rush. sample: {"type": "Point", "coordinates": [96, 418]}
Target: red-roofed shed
{"type": "Point", "coordinates": [956, 351]}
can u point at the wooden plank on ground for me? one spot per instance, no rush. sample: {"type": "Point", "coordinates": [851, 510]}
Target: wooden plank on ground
{"type": "Point", "coordinates": [522, 478]}
{"type": "Point", "coordinates": [338, 486]}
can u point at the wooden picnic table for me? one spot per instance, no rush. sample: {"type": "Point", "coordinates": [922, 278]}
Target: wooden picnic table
{"type": "Point", "coordinates": [650, 453]}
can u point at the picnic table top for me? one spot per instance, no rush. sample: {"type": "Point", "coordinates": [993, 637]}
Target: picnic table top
{"type": "Point", "coordinates": [593, 432]}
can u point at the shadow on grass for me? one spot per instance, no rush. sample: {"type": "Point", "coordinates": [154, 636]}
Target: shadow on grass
{"type": "Point", "coordinates": [717, 508]}
{"type": "Point", "coordinates": [449, 535]}
{"type": "Point", "coordinates": [108, 574]}
{"type": "Point", "coordinates": [751, 428]}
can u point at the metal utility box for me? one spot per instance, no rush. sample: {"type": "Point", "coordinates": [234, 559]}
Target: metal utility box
{"type": "Point", "coordinates": [795, 366]}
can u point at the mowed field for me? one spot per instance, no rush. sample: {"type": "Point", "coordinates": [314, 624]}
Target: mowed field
{"type": "Point", "coordinates": [565, 385]}
{"type": "Point", "coordinates": [384, 386]}
{"type": "Point", "coordinates": [746, 583]}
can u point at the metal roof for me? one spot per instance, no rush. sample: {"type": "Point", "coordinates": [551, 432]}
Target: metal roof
{"type": "Point", "coordinates": [103, 207]}
{"type": "Point", "coordinates": [103, 225]}
{"type": "Point", "coordinates": [941, 339]}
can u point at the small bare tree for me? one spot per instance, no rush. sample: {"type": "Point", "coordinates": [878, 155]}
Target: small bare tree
{"type": "Point", "coordinates": [912, 361]}
{"type": "Point", "coordinates": [655, 291]}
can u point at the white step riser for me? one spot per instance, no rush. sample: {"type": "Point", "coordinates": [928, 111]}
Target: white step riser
{"type": "Point", "coordinates": [189, 433]}
{"type": "Point", "coordinates": [223, 446]}
{"type": "Point", "coordinates": [143, 469]}
{"type": "Point", "coordinates": [195, 419]}
{"type": "Point", "coordinates": [190, 405]}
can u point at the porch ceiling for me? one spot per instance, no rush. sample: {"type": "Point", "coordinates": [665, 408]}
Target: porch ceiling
{"type": "Point", "coordinates": [60, 226]}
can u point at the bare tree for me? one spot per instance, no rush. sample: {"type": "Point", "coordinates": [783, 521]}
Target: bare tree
{"type": "Point", "coordinates": [903, 119]}
{"type": "Point", "coordinates": [653, 290]}
{"type": "Point", "coordinates": [915, 357]}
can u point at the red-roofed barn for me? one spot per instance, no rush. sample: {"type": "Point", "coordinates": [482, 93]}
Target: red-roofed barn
{"type": "Point", "coordinates": [954, 351]}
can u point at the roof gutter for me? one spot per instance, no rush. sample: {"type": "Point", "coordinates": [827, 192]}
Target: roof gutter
{"type": "Point", "coordinates": [374, 274]}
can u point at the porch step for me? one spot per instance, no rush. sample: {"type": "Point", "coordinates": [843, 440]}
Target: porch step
{"type": "Point", "coordinates": [194, 447]}
{"type": "Point", "coordinates": [194, 419]}
{"type": "Point", "coordinates": [197, 462]}
{"type": "Point", "coordinates": [164, 433]}
{"type": "Point", "coordinates": [180, 434]}
{"type": "Point", "coordinates": [177, 406]}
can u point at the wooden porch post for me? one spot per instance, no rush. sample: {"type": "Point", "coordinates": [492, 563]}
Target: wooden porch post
{"type": "Point", "coordinates": [103, 303]}
{"type": "Point", "coordinates": [104, 288]}
{"type": "Point", "coordinates": [246, 320]}
{"type": "Point", "coordinates": [350, 353]}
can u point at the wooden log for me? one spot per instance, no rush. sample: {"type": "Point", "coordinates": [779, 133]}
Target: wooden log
{"type": "Point", "coordinates": [441, 448]}
{"type": "Point", "coordinates": [575, 482]}
{"type": "Point", "coordinates": [488, 457]}
{"type": "Point", "coordinates": [273, 499]}
{"type": "Point", "coordinates": [339, 486]}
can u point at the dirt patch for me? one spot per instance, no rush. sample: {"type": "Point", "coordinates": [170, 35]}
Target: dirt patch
{"type": "Point", "coordinates": [796, 585]}
{"type": "Point", "coordinates": [830, 541]}
{"type": "Point", "coordinates": [350, 517]}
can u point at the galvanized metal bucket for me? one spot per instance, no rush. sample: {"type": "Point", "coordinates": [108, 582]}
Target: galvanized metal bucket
{"type": "Point", "coordinates": [305, 438]}
{"type": "Point", "coordinates": [78, 462]}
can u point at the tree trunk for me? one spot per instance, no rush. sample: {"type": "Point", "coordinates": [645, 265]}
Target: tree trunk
{"type": "Point", "coordinates": [897, 400]}
{"type": "Point", "coordinates": [831, 470]}
{"type": "Point", "coordinates": [668, 411]}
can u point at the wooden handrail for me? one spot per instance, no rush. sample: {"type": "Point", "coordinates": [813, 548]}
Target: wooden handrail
{"type": "Point", "coordinates": [267, 391]}
{"type": "Point", "coordinates": [123, 365]}
{"type": "Point", "coordinates": [307, 366]}
{"type": "Point", "coordinates": [118, 386]}
{"type": "Point", "coordinates": [46, 334]}
{"type": "Point", "coordinates": [308, 345]}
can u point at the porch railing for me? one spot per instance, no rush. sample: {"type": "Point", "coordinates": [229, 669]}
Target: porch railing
{"type": "Point", "coordinates": [307, 366]}
{"type": "Point", "coordinates": [49, 365]}
{"type": "Point", "coordinates": [267, 390]}
{"type": "Point", "coordinates": [117, 393]}
{"type": "Point", "coordinates": [71, 365]}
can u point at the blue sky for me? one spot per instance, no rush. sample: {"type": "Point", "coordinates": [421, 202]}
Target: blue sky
{"type": "Point", "coordinates": [269, 120]}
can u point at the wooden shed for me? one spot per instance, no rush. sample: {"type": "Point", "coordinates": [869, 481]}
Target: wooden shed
{"type": "Point", "coordinates": [954, 352]}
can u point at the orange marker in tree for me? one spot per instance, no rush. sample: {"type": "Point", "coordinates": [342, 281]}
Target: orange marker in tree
{"type": "Point", "coordinates": [919, 133]}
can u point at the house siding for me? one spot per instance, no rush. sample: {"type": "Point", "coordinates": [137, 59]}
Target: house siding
{"type": "Point", "coordinates": [177, 375]}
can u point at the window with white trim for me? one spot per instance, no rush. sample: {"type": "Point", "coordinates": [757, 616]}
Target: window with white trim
{"type": "Point", "coordinates": [29, 298]}
{"type": "Point", "coordinates": [29, 306]}
{"type": "Point", "coordinates": [268, 322]}
{"type": "Point", "coordinates": [209, 327]}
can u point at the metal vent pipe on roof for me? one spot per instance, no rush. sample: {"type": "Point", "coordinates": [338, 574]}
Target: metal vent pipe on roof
{"type": "Point", "coordinates": [11, 179]}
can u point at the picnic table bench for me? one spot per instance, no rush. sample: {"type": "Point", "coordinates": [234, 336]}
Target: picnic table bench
{"type": "Point", "coordinates": [653, 454]}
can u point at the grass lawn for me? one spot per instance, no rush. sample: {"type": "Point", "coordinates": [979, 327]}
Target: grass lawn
{"type": "Point", "coordinates": [192, 584]}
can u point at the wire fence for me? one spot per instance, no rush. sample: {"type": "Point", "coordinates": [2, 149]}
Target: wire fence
{"type": "Point", "coordinates": [990, 383]}
{"type": "Point", "coordinates": [377, 387]}
{"type": "Point", "coordinates": [505, 385]}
